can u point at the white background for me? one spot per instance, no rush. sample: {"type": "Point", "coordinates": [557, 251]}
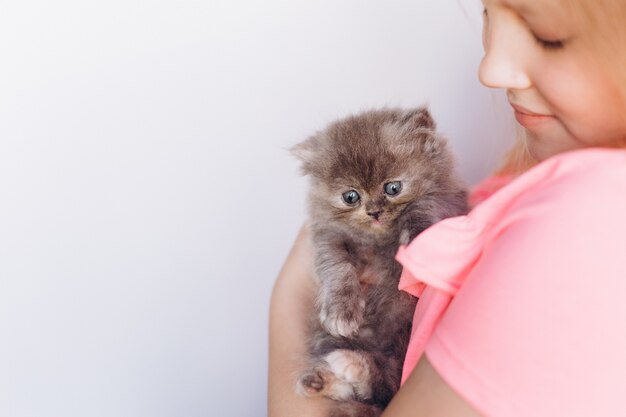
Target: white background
{"type": "Point", "coordinates": [146, 197]}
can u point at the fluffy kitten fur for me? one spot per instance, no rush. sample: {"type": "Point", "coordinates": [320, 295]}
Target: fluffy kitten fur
{"type": "Point", "coordinates": [359, 336]}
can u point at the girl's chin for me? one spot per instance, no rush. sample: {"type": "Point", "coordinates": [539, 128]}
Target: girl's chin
{"type": "Point", "coordinates": [540, 151]}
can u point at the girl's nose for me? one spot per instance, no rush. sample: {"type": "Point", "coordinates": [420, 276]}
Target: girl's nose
{"type": "Point", "coordinates": [505, 62]}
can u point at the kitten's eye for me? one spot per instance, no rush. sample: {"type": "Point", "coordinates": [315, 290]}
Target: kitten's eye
{"type": "Point", "coordinates": [350, 197]}
{"type": "Point", "coordinates": [393, 188]}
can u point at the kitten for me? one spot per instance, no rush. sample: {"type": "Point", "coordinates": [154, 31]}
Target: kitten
{"type": "Point", "coordinates": [377, 180]}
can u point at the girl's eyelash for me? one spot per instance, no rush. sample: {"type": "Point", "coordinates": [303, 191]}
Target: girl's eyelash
{"type": "Point", "coordinates": [558, 44]}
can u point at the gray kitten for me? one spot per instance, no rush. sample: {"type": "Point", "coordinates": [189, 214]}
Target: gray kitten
{"type": "Point", "coordinates": [377, 180]}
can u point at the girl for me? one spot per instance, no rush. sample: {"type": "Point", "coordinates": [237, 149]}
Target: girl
{"type": "Point", "coordinates": [521, 309]}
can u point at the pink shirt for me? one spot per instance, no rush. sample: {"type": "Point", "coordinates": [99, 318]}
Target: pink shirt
{"type": "Point", "coordinates": [522, 306]}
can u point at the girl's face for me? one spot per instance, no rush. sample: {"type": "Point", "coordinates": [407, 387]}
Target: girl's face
{"type": "Point", "coordinates": [558, 90]}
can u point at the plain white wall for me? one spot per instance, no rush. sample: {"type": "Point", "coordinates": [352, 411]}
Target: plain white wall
{"type": "Point", "coordinates": [146, 198]}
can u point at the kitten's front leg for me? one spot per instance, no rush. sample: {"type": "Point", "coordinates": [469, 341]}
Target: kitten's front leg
{"type": "Point", "coordinates": [341, 302]}
{"type": "Point", "coordinates": [341, 307]}
{"type": "Point", "coordinates": [429, 210]}
{"type": "Point", "coordinates": [417, 218]}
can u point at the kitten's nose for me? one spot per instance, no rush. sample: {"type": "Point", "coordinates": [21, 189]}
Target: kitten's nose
{"type": "Point", "coordinates": [374, 214]}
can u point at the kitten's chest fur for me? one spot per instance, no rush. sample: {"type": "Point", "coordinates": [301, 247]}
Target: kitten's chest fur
{"type": "Point", "coordinates": [374, 263]}
{"type": "Point", "coordinates": [387, 309]}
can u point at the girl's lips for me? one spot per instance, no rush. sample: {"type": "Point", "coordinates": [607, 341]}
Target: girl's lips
{"type": "Point", "coordinates": [525, 111]}
{"type": "Point", "coordinates": [530, 119]}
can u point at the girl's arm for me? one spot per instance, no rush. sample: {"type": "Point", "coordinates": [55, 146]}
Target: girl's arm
{"type": "Point", "coordinates": [426, 394]}
{"type": "Point", "coordinates": [291, 305]}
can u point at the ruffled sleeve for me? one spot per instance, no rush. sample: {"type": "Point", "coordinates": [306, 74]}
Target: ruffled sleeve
{"type": "Point", "coordinates": [435, 265]}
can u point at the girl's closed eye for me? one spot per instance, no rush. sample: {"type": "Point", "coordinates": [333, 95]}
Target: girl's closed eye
{"type": "Point", "coordinates": [549, 44]}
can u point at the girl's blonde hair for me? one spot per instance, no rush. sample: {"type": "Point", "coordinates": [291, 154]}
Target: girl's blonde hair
{"type": "Point", "coordinates": [603, 23]}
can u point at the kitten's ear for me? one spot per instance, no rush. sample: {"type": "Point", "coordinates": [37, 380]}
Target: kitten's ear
{"type": "Point", "coordinates": [418, 118]}
{"type": "Point", "coordinates": [421, 128]}
{"type": "Point", "coordinates": [306, 151]}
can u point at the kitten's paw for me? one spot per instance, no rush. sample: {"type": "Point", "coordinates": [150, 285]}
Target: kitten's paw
{"type": "Point", "coordinates": [344, 322]}
{"type": "Point", "coordinates": [341, 375]}
{"type": "Point", "coordinates": [351, 368]}
{"type": "Point", "coordinates": [311, 383]}
{"type": "Point", "coordinates": [405, 237]}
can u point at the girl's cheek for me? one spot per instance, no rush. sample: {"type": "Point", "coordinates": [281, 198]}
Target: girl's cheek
{"type": "Point", "coordinates": [559, 89]}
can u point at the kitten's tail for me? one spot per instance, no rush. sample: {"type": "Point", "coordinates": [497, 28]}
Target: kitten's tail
{"type": "Point", "coordinates": [354, 409]}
